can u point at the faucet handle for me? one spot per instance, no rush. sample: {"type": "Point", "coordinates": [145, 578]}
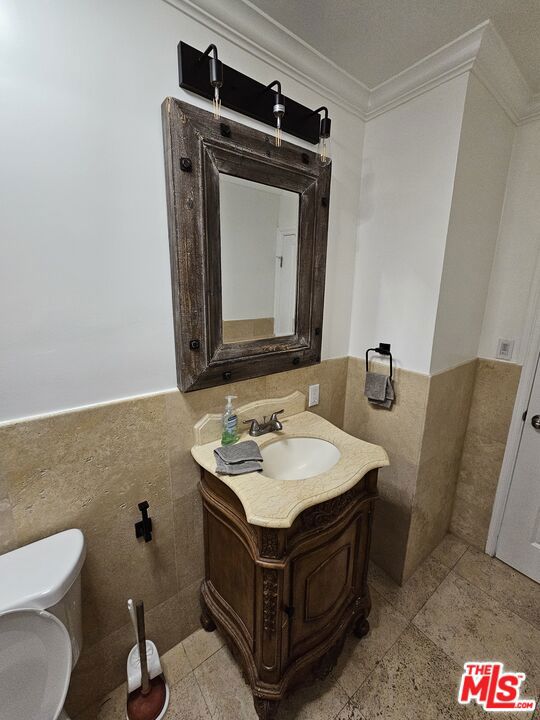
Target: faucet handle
{"type": "Point", "coordinates": [255, 427]}
{"type": "Point", "coordinates": [275, 414]}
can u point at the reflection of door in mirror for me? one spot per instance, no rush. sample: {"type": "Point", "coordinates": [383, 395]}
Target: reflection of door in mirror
{"type": "Point", "coordinates": [259, 228]}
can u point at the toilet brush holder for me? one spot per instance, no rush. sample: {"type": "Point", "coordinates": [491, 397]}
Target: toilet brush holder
{"type": "Point", "coordinates": [148, 692]}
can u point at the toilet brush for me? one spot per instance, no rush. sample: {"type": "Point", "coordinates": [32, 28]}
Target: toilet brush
{"type": "Point", "coordinates": [150, 700]}
{"type": "Point", "coordinates": [134, 662]}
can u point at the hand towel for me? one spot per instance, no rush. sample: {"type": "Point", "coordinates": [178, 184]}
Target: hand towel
{"type": "Point", "coordinates": [238, 468]}
{"type": "Point", "coordinates": [240, 452]}
{"type": "Point", "coordinates": [379, 390]}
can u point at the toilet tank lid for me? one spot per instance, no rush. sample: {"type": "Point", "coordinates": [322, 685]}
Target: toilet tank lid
{"type": "Point", "coordinates": [40, 574]}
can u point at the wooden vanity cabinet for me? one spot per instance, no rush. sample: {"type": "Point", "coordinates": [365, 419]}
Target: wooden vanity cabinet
{"type": "Point", "coordinates": [285, 598]}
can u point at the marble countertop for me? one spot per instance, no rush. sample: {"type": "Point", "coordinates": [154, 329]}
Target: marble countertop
{"type": "Point", "coordinates": [276, 503]}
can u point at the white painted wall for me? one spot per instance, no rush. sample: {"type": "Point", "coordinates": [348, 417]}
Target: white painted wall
{"type": "Point", "coordinates": [408, 168]}
{"type": "Point", "coordinates": [479, 187]}
{"type": "Point", "coordinates": [249, 216]}
{"type": "Point", "coordinates": [84, 279]}
{"type": "Point", "coordinates": [518, 249]}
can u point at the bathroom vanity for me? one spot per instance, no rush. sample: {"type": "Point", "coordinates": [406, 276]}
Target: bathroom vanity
{"type": "Point", "coordinates": [286, 559]}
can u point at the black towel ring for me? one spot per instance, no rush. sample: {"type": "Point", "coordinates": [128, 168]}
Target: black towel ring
{"type": "Point", "coordinates": [383, 349]}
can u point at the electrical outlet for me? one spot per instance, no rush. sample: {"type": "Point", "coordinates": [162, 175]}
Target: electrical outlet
{"type": "Point", "coordinates": [505, 349]}
{"type": "Point", "coordinates": [313, 395]}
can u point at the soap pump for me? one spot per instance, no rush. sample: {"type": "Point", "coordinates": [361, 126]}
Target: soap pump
{"type": "Point", "coordinates": [230, 423]}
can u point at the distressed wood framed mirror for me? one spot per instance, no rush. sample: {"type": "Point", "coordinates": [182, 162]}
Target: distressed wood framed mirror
{"type": "Point", "coordinates": [248, 226]}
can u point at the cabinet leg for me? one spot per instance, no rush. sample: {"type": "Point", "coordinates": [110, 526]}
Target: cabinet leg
{"type": "Point", "coordinates": [206, 619]}
{"type": "Point", "coordinates": [361, 627]}
{"type": "Point", "coordinates": [266, 709]}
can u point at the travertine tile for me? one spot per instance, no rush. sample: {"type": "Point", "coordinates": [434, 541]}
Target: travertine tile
{"type": "Point", "coordinates": [476, 487]}
{"type": "Point", "coordinates": [175, 664]}
{"type": "Point", "coordinates": [318, 700]}
{"type": "Point", "coordinates": [187, 702]}
{"type": "Point", "coordinates": [119, 566]}
{"type": "Point", "coordinates": [466, 624]}
{"type": "Point", "coordinates": [510, 588]}
{"type": "Point", "coordinates": [224, 689]}
{"type": "Point", "coordinates": [184, 409]}
{"type": "Point", "coordinates": [359, 657]}
{"type": "Point", "coordinates": [447, 410]}
{"type": "Point", "coordinates": [185, 473]}
{"type": "Point", "coordinates": [391, 523]}
{"type": "Point", "coordinates": [449, 550]}
{"type": "Point", "coordinates": [80, 468]}
{"type": "Point", "coordinates": [412, 595]}
{"type": "Point", "coordinates": [432, 508]}
{"type": "Point", "coordinates": [355, 413]}
{"type": "Point", "coordinates": [188, 538]}
{"type": "Point", "coordinates": [415, 680]}
{"type": "Point", "coordinates": [111, 707]}
{"type": "Point", "coordinates": [188, 619]}
{"type": "Point", "coordinates": [201, 645]}
{"type": "Point", "coordinates": [392, 516]}
{"type": "Point", "coordinates": [399, 430]}
{"type": "Point", "coordinates": [324, 374]}
{"type": "Point", "coordinates": [335, 373]}
{"type": "Point", "coordinates": [493, 399]}
{"type": "Point", "coordinates": [350, 712]}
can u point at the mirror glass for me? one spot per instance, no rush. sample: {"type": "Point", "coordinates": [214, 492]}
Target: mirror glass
{"type": "Point", "coordinates": [259, 248]}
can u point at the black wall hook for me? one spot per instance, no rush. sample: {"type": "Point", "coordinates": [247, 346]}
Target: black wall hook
{"type": "Point", "coordinates": [383, 349]}
{"type": "Point", "coordinates": [143, 528]}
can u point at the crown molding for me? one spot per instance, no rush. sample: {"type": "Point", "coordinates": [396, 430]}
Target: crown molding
{"type": "Point", "coordinates": [446, 63]}
{"type": "Point", "coordinates": [496, 68]}
{"type": "Point", "coordinates": [480, 51]}
{"type": "Point", "coordinates": [240, 23]}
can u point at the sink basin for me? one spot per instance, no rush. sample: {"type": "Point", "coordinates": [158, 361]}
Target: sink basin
{"type": "Point", "coordinates": [298, 458]}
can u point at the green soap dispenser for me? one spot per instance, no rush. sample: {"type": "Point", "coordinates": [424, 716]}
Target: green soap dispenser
{"type": "Point", "coordinates": [230, 423]}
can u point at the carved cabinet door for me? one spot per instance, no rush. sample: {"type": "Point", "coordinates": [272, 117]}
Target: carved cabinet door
{"type": "Point", "coordinates": [323, 581]}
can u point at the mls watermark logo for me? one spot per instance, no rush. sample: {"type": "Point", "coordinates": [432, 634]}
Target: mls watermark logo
{"type": "Point", "coordinates": [490, 686]}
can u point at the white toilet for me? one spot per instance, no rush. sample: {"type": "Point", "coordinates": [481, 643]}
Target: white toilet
{"type": "Point", "coordinates": [40, 625]}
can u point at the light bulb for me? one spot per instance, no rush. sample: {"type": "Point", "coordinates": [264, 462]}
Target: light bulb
{"type": "Point", "coordinates": [216, 79]}
{"type": "Point", "coordinates": [324, 150]}
{"type": "Point", "coordinates": [279, 112]}
{"type": "Point", "coordinates": [278, 109]}
{"type": "Point", "coordinates": [278, 132]}
{"type": "Point", "coordinates": [216, 103]}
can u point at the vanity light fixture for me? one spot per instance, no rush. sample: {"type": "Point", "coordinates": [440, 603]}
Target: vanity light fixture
{"type": "Point", "coordinates": [216, 77]}
{"type": "Point", "coordinates": [324, 148]}
{"type": "Point", "coordinates": [278, 109]}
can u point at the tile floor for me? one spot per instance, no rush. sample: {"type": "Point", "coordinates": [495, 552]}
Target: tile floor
{"type": "Point", "coordinates": [459, 605]}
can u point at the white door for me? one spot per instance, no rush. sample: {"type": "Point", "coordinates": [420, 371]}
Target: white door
{"type": "Point", "coordinates": [285, 283]}
{"type": "Point", "coordinates": [518, 544]}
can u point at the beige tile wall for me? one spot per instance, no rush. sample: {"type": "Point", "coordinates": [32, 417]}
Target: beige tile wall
{"type": "Point", "coordinates": [90, 468]}
{"type": "Point", "coordinates": [423, 434]}
{"type": "Point", "coordinates": [447, 412]}
{"type": "Point", "coordinates": [252, 329]}
{"type": "Point", "coordinates": [400, 432]}
{"type": "Point", "coordinates": [485, 441]}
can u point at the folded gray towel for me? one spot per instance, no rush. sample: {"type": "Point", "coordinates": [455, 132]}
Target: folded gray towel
{"type": "Point", "coordinates": [238, 468]}
{"type": "Point", "coordinates": [379, 390]}
{"type": "Point", "coordinates": [240, 452]}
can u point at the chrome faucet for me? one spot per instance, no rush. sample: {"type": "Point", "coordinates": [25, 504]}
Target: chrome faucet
{"type": "Point", "coordinates": [265, 426]}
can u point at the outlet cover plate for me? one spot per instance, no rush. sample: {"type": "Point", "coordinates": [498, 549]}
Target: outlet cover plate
{"type": "Point", "coordinates": [505, 349]}
{"type": "Point", "coordinates": [313, 395]}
